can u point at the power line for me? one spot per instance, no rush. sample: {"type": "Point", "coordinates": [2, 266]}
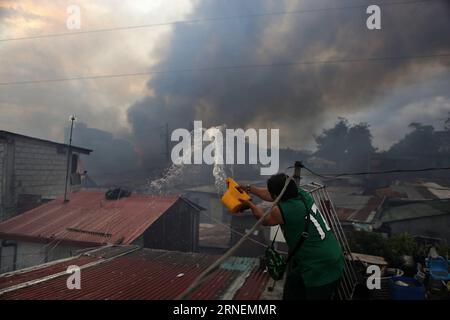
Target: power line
{"type": "Point", "coordinates": [212, 19]}
{"type": "Point", "coordinates": [229, 67]}
{"type": "Point", "coordinates": [336, 175]}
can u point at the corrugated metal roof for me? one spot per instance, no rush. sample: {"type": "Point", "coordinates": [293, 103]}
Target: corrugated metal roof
{"type": "Point", "coordinates": [437, 190]}
{"type": "Point", "coordinates": [15, 278]}
{"type": "Point", "coordinates": [88, 219]}
{"type": "Point", "coordinates": [367, 213]}
{"type": "Point", "coordinates": [143, 274]}
{"type": "Point", "coordinates": [344, 213]}
{"type": "Point", "coordinates": [349, 201]}
{"type": "Point", "coordinates": [74, 148]}
{"type": "Point", "coordinates": [389, 193]}
{"type": "Point", "coordinates": [416, 209]}
{"type": "Point", "coordinates": [411, 192]}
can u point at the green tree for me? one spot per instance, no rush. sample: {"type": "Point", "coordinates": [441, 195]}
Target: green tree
{"type": "Point", "coordinates": [347, 145]}
{"type": "Point", "coordinates": [368, 243]}
{"type": "Point", "coordinates": [392, 249]}
{"type": "Point", "coordinates": [399, 245]}
{"type": "Point", "coordinates": [332, 143]}
{"type": "Point", "coordinates": [420, 141]}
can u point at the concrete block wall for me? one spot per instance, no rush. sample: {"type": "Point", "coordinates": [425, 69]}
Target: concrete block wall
{"type": "Point", "coordinates": [39, 168]}
{"type": "Point", "coordinates": [2, 156]}
{"type": "Point", "coordinates": [33, 168]}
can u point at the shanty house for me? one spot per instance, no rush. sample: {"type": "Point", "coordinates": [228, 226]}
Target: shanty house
{"type": "Point", "coordinates": [428, 218]}
{"type": "Point", "coordinates": [208, 197]}
{"type": "Point", "coordinates": [216, 233]}
{"type": "Point", "coordinates": [33, 171]}
{"type": "Point", "coordinates": [57, 229]}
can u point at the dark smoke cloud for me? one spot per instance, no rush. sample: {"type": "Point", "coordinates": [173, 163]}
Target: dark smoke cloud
{"type": "Point", "coordinates": [294, 99]}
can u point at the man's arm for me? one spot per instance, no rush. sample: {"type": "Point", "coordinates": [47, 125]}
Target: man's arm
{"type": "Point", "coordinates": [261, 193]}
{"type": "Point", "coordinates": [273, 219]}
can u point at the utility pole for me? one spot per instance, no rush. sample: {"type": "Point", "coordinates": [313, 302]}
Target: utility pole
{"type": "Point", "coordinates": [166, 137]}
{"type": "Point", "coordinates": [297, 171]}
{"type": "Point", "coordinates": [69, 153]}
{"type": "Point", "coordinates": [167, 143]}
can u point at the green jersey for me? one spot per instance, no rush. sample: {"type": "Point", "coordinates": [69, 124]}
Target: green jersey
{"type": "Point", "coordinates": [319, 261]}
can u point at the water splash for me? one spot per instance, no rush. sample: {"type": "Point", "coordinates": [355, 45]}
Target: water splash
{"type": "Point", "coordinates": [177, 173]}
{"type": "Point", "coordinates": [219, 169]}
{"type": "Point", "coordinates": [220, 177]}
{"type": "Point", "coordinates": [168, 180]}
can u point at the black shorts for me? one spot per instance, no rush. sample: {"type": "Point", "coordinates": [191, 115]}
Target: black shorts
{"type": "Point", "coordinates": [295, 289]}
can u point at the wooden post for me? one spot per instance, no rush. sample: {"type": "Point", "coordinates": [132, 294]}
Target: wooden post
{"type": "Point", "coordinates": [297, 171]}
{"type": "Point", "coordinates": [69, 154]}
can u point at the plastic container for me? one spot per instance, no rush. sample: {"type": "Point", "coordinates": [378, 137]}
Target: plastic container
{"type": "Point", "coordinates": [414, 290]}
{"type": "Point", "coordinates": [439, 268]}
{"type": "Point", "coordinates": [384, 292]}
{"type": "Point", "coordinates": [232, 196]}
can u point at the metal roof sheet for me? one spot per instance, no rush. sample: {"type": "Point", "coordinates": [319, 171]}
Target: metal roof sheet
{"type": "Point", "coordinates": [74, 148]}
{"type": "Point", "coordinates": [437, 190]}
{"type": "Point", "coordinates": [416, 209]}
{"type": "Point", "coordinates": [88, 219]}
{"type": "Point", "coordinates": [344, 213]}
{"type": "Point", "coordinates": [367, 213]}
{"type": "Point", "coordinates": [143, 274]}
{"type": "Point", "coordinates": [411, 192]}
{"type": "Point", "coordinates": [349, 201]}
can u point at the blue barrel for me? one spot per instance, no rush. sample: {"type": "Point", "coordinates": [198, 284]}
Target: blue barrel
{"type": "Point", "coordinates": [414, 291]}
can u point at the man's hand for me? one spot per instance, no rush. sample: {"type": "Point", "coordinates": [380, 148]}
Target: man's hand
{"type": "Point", "coordinates": [244, 188]}
{"type": "Point", "coordinates": [246, 204]}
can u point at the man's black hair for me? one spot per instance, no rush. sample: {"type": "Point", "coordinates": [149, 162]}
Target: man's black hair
{"type": "Point", "coordinates": [276, 183]}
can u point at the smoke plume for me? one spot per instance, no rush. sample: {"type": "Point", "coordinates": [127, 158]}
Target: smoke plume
{"type": "Point", "coordinates": [295, 98]}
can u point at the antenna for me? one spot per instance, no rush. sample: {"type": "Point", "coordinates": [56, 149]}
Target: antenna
{"type": "Point", "coordinates": [69, 153]}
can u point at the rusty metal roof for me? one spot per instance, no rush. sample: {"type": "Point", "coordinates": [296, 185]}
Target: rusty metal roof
{"type": "Point", "coordinates": [367, 213]}
{"type": "Point", "coordinates": [344, 213]}
{"type": "Point", "coordinates": [88, 219]}
{"type": "Point", "coordinates": [132, 273]}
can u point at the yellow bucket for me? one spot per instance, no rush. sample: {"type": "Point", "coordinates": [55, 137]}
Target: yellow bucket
{"type": "Point", "coordinates": [232, 196]}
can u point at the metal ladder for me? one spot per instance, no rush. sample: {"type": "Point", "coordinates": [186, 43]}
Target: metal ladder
{"type": "Point", "coordinates": [325, 205]}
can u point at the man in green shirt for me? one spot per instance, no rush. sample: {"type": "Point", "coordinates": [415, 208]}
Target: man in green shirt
{"type": "Point", "coordinates": [317, 266]}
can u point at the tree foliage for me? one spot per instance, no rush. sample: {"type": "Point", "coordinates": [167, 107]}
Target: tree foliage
{"type": "Point", "coordinates": [348, 145]}
{"type": "Point", "coordinates": [392, 249]}
{"type": "Point", "coordinates": [420, 141]}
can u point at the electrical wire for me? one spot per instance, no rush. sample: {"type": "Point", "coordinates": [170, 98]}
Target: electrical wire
{"type": "Point", "coordinates": [229, 67]}
{"type": "Point", "coordinates": [336, 175]}
{"type": "Point", "coordinates": [215, 19]}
